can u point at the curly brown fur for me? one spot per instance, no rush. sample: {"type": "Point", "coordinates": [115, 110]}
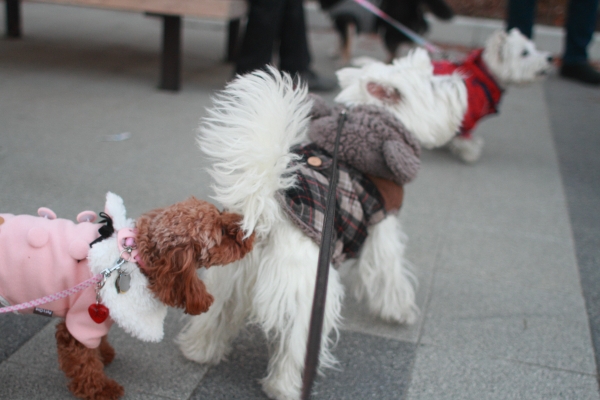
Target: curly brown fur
{"type": "Point", "coordinates": [175, 241]}
{"type": "Point", "coordinates": [85, 367]}
{"type": "Point", "coordinates": [107, 353]}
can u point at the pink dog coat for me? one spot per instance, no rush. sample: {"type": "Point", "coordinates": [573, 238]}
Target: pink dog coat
{"type": "Point", "coordinates": [41, 256]}
{"type": "Point", "coordinates": [483, 91]}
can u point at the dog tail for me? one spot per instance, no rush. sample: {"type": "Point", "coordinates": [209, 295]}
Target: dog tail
{"type": "Point", "coordinates": [247, 134]}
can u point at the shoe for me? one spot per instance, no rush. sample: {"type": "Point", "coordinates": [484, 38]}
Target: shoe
{"type": "Point", "coordinates": [317, 83]}
{"type": "Point", "coordinates": [582, 72]}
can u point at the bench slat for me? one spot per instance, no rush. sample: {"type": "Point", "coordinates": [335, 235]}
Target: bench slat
{"type": "Point", "coordinates": [222, 9]}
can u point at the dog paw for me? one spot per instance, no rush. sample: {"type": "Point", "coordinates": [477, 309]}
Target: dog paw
{"type": "Point", "coordinates": [400, 315]}
{"type": "Point", "coordinates": [468, 150]}
{"type": "Point", "coordinates": [105, 389]}
{"type": "Point", "coordinates": [111, 391]}
{"type": "Point", "coordinates": [203, 352]}
{"type": "Point", "coordinates": [277, 391]}
{"type": "Point", "coordinates": [107, 352]}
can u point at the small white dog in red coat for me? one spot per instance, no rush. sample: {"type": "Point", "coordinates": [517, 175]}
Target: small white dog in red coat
{"type": "Point", "coordinates": [507, 59]}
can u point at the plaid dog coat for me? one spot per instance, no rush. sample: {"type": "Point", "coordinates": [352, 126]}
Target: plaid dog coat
{"type": "Point", "coordinates": [358, 202]}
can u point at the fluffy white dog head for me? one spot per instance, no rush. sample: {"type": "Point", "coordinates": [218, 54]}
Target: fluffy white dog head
{"type": "Point", "coordinates": [430, 106]}
{"type": "Point", "coordinates": [513, 59]}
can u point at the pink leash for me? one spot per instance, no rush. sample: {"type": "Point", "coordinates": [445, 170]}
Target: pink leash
{"type": "Point", "coordinates": [53, 297]}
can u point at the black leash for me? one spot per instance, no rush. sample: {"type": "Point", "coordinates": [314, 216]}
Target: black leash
{"type": "Point", "coordinates": [313, 347]}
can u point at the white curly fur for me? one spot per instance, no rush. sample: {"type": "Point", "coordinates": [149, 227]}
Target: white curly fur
{"type": "Point", "coordinates": [514, 60]}
{"type": "Point", "coordinates": [248, 136]}
{"type": "Point", "coordinates": [430, 106]}
{"type": "Point", "coordinates": [137, 311]}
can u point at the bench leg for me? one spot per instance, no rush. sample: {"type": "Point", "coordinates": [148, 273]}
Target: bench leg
{"type": "Point", "coordinates": [13, 18]}
{"type": "Point", "coordinates": [170, 69]}
{"type": "Point", "coordinates": [233, 38]}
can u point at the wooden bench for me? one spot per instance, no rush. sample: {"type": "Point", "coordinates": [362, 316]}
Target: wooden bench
{"type": "Point", "coordinates": [171, 12]}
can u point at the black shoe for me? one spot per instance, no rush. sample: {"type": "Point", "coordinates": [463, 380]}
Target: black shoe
{"type": "Point", "coordinates": [582, 72]}
{"type": "Point", "coordinates": [317, 83]}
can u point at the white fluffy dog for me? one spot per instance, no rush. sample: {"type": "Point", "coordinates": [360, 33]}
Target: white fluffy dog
{"type": "Point", "coordinates": [430, 106]}
{"type": "Point", "coordinates": [507, 59]}
{"type": "Point", "coordinates": [248, 134]}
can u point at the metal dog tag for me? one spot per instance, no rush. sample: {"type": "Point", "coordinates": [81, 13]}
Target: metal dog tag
{"type": "Point", "coordinates": [123, 282]}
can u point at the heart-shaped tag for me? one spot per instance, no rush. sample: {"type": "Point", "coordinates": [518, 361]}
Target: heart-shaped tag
{"type": "Point", "coordinates": [98, 312]}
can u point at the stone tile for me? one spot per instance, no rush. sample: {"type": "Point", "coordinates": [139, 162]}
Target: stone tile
{"type": "Point", "coordinates": [532, 261]}
{"type": "Point", "coordinates": [441, 374]}
{"type": "Point", "coordinates": [20, 382]}
{"type": "Point", "coordinates": [238, 376]}
{"type": "Point", "coordinates": [370, 368]}
{"type": "Point", "coordinates": [544, 221]}
{"type": "Point", "coordinates": [39, 353]}
{"type": "Point", "coordinates": [157, 369]}
{"type": "Point", "coordinates": [357, 318]}
{"type": "Point", "coordinates": [361, 358]}
{"type": "Point", "coordinates": [425, 237]}
{"type": "Point", "coordinates": [17, 330]}
{"type": "Point", "coordinates": [510, 321]}
{"type": "Point", "coordinates": [421, 254]}
{"type": "Point", "coordinates": [143, 369]}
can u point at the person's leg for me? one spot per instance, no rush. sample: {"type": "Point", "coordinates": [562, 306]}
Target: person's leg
{"type": "Point", "coordinates": [580, 25]}
{"type": "Point", "coordinates": [262, 31]}
{"type": "Point", "coordinates": [521, 15]}
{"type": "Point", "coordinates": [294, 54]}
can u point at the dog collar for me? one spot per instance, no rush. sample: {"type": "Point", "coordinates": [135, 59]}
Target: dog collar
{"type": "Point", "coordinates": [127, 244]}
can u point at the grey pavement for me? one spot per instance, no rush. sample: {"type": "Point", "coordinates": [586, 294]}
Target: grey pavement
{"type": "Point", "coordinates": [507, 251]}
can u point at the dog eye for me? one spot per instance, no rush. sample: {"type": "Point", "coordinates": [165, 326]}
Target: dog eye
{"type": "Point", "coordinates": [525, 53]}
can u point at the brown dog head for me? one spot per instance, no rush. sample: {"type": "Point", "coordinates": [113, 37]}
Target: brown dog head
{"type": "Point", "coordinates": [173, 242]}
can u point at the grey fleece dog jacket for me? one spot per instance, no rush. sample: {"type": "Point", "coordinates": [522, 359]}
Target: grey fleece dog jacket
{"type": "Point", "coordinates": [373, 140]}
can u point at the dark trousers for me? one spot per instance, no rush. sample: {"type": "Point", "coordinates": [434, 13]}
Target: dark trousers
{"type": "Point", "coordinates": [274, 24]}
{"type": "Point", "coordinates": [579, 26]}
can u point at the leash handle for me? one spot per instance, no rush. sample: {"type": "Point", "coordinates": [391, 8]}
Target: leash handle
{"type": "Point", "coordinates": [412, 35]}
{"type": "Point", "coordinates": [313, 347]}
{"type": "Point", "coordinates": [53, 297]}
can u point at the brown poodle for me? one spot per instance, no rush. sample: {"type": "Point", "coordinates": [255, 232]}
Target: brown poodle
{"type": "Point", "coordinates": [169, 245]}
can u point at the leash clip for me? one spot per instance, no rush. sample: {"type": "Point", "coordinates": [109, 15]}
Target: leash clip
{"type": "Point", "coordinates": [118, 264]}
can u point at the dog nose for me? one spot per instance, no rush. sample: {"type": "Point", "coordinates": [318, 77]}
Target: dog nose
{"type": "Point", "coordinates": [550, 59]}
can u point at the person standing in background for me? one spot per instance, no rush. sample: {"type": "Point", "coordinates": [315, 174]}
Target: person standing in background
{"type": "Point", "coordinates": [279, 24]}
{"type": "Point", "coordinates": [579, 27]}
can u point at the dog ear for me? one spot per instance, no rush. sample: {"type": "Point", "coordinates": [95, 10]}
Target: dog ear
{"type": "Point", "coordinates": [515, 32]}
{"type": "Point", "coordinates": [234, 244]}
{"type": "Point", "coordinates": [196, 298]}
{"type": "Point", "coordinates": [386, 94]}
{"type": "Point", "coordinates": [496, 43]}
{"type": "Point", "coordinates": [174, 280]}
